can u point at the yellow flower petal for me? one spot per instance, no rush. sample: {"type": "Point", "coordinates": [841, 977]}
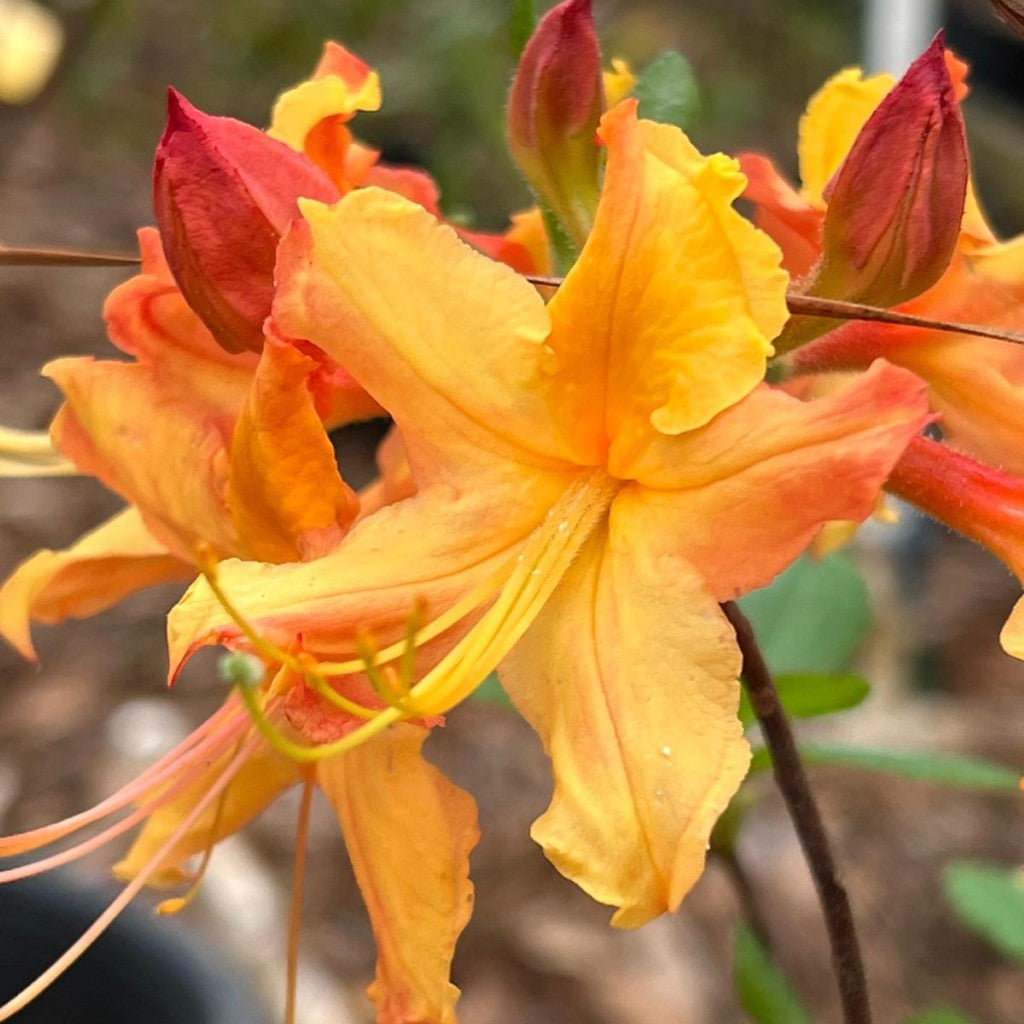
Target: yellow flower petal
{"type": "Point", "coordinates": [619, 82]}
{"type": "Point", "coordinates": [449, 342]}
{"type": "Point", "coordinates": [409, 833]}
{"type": "Point", "coordinates": [665, 318]}
{"type": "Point", "coordinates": [299, 110]}
{"type": "Point", "coordinates": [834, 116]}
{"type": "Point", "coordinates": [287, 499]}
{"type": "Point", "coordinates": [629, 675]}
{"type": "Point", "coordinates": [112, 561]}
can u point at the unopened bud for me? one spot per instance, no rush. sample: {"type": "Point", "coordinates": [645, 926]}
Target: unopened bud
{"type": "Point", "coordinates": [896, 203]}
{"type": "Point", "coordinates": [224, 193]}
{"type": "Point", "coordinates": [555, 105]}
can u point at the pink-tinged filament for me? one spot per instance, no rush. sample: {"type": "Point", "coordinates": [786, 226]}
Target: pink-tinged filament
{"type": "Point", "coordinates": [99, 926]}
{"type": "Point", "coordinates": [201, 745]}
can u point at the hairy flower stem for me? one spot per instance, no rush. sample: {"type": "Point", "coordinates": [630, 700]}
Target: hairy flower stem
{"type": "Point", "coordinates": [796, 792]}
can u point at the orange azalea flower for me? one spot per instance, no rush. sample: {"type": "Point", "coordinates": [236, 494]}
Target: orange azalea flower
{"type": "Point", "coordinates": [593, 476]}
{"type": "Point", "coordinates": [200, 431]}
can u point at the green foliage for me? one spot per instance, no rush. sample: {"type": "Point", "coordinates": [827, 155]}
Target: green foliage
{"type": "Point", "coordinates": [492, 692]}
{"type": "Point", "coordinates": [812, 617]}
{"type": "Point", "coordinates": [940, 1015]}
{"type": "Point", "coordinates": [990, 901]}
{"type": "Point", "coordinates": [764, 992]}
{"type": "Point", "coordinates": [521, 24]}
{"type": "Point", "coordinates": [667, 91]}
{"type": "Point", "coordinates": [918, 765]}
{"type": "Point", "coordinates": [811, 694]}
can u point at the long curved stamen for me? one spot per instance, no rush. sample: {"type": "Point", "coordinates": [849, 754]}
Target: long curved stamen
{"type": "Point", "coordinates": [544, 561]}
{"type": "Point", "coordinates": [540, 567]}
{"type": "Point", "coordinates": [476, 598]}
{"type": "Point", "coordinates": [384, 680]}
{"type": "Point", "coordinates": [130, 891]}
{"type": "Point", "coordinates": [31, 453]}
{"type": "Point", "coordinates": [298, 883]}
{"type": "Point", "coordinates": [178, 903]}
{"type": "Point", "coordinates": [210, 735]}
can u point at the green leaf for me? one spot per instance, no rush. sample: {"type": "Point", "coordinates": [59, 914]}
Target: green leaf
{"type": "Point", "coordinates": [989, 900]}
{"type": "Point", "coordinates": [492, 692]}
{"type": "Point", "coordinates": [812, 618]}
{"type": "Point", "coordinates": [940, 1015]}
{"type": "Point", "coordinates": [521, 24]}
{"type": "Point", "coordinates": [811, 694]}
{"type": "Point", "coordinates": [667, 90]}
{"type": "Point", "coordinates": [919, 765]}
{"type": "Point", "coordinates": [763, 990]}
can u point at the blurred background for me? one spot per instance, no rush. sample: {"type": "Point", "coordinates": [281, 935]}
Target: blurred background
{"type": "Point", "coordinates": [74, 171]}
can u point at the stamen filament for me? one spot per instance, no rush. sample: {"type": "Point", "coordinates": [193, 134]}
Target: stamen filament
{"type": "Point", "coordinates": [271, 652]}
{"type": "Point", "coordinates": [320, 686]}
{"type": "Point", "coordinates": [298, 884]}
{"type": "Point", "coordinates": [544, 561]}
{"type": "Point", "coordinates": [456, 613]}
{"type": "Point", "coordinates": [211, 734]}
{"type": "Point", "coordinates": [179, 903]}
{"type": "Point", "coordinates": [384, 682]}
{"type": "Point", "coordinates": [31, 453]}
{"type": "Point", "coordinates": [317, 752]}
{"type": "Point", "coordinates": [130, 891]}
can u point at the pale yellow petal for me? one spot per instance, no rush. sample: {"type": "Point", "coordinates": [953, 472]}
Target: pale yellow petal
{"type": "Point", "coordinates": [834, 116]}
{"type": "Point", "coordinates": [31, 453]}
{"type": "Point", "coordinates": [299, 110]}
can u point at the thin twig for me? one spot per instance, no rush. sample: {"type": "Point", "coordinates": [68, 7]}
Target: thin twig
{"type": "Point", "coordinates": [19, 257]}
{"type": "Point", "coordinates": [811, 305]}
{"type": "Point", "coordinates": [796, 792]}
{"type": "Point", "coordinates": [835, 309]}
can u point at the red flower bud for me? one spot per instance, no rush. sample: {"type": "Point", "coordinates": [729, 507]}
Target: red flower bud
{"type": "Point", "coordinates": [555, 104]}
{"type": "Point", "coordinates": [896, 203]}
{"type": "Point", "coordinates": [224, 193]}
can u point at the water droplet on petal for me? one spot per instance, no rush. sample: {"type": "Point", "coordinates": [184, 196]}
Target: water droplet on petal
{"type": "Point", "coordinates": [666, 752]}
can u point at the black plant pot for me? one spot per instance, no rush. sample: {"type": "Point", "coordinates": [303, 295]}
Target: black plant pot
{"type": "Point", "coordinates": [141, 971]}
